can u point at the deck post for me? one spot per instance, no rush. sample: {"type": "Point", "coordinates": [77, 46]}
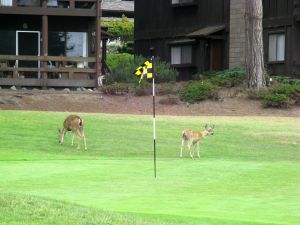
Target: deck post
{"type": "Point", "coordinates": [45, 44]}
{"type": "Point", "coordinates": [98, 38]}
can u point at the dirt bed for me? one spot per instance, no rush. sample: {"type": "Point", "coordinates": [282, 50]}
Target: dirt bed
{"type": "Point", "coordinates": [76, 101]}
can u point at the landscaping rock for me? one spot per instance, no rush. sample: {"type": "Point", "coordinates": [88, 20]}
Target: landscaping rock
{"type": "Point", "coordinates": [13, 88]}
{"type": "Point", "coordinates": [78, 89]}
{"type": "Point", "coordinates": [67, 90]}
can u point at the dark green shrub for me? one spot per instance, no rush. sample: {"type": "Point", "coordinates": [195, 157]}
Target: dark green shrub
{"type": "Point", "coordinates": [198, 91]}
{"type": "Point", "coordinates": [123, 65]}
{"type": "Point", "coordinates": [164, 72]}
{"type": "Point", "coordinates": [226, 78]}
{"type": "Point", "coordinates": [285, 80]}
{"type": "Point", "coordinates": [276, 100]}
{"type": "Point", "coordinates": [127, 47]}
{"type": "Point", "coordinates": [291, 91]}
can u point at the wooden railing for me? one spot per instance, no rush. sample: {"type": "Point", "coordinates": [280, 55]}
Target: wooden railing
{"type": "Point", "coordinates": [85, 8]}
{"type": "Point", "coordinates": [9, 69]}
{"type": "Point", "coordinates": [52, 3]}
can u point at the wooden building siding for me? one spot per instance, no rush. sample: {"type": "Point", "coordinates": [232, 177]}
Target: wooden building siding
{"type": "Point", "coordinates": [159, 19]}
{"type": "Point", "coordinates": [40, 69]}
{"type": "Point", "coordinates": [158, 23]}
{"type": "Point", "coordinates": [279, 18]}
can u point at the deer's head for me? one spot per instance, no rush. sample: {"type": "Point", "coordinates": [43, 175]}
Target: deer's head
{"type": "Point", "coordinates": [209, 130]}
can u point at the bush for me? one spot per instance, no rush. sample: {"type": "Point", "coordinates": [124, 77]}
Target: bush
{"type": "Point", "coordinates": [257, 93]}
{"type": "Point", "coordinates": [226, 78]}
{"type": "Point", "coordinates": [285, 80]}
{"type": "Point", "coordinates": [276, 100]}
{"type": "Point", "coordinates": [291, 91]}
{"type": "Point", "coordinates": [123, 65]}
{"type": "Point", "coordinates": [142, 89]}
{"type": "Point", "coordinates": [164, 72]}
{"type": "Point", "coordinates": [198, 91]}
{"type": "Point", "coordinates": [127, 47]}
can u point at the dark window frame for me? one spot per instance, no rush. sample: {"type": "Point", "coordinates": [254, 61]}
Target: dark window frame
{"type": "Point", "coordinates": [182, 64]}
{"type": "Point", "coordinates": [277, 32]}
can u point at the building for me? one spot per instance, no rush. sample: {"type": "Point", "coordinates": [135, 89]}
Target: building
{"type": "Point", "coordinates": [117, 8]}
{"type": "Point", "coordinates": [200, 35]}
{"type": "Point", "coordinates": [50, 43]}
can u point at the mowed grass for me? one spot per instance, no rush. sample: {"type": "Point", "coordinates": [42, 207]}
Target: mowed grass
{"type": "Point", "coordinates": [249, 171]}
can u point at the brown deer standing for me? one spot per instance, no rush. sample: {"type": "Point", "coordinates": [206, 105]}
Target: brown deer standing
{"type": "Point", "coordinates": [75, 124]}
{"type": "Point", "coordinates": [193, 137]}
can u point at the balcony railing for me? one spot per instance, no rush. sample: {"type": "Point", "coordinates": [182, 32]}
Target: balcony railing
{"type": "Point", "coordinates": [81, 4]}
{"type": "Point", "coordinates": [54, 71]}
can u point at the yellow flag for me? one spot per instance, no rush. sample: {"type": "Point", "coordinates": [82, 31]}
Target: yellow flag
{"type": "Point", "coordinates": [144, 69]}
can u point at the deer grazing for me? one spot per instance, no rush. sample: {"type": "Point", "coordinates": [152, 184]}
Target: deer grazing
{"type": "Point", "coordinates": [75, 124]}
{"type": "Point", "coordinates": [193, 137]}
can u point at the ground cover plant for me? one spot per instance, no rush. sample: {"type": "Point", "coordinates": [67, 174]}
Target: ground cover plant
{"type": "Point", "coordinates": [248, 173]}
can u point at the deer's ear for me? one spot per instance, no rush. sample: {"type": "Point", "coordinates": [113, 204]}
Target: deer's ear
{"type": "Point", "coordinates": [205, 126]}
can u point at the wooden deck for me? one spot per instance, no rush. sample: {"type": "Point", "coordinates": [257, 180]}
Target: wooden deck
{"type": "Point", "coordinates": [67, 76]}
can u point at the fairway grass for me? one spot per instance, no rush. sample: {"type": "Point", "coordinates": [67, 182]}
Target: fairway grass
{"type": "Point", "coordinates": [248, 172]}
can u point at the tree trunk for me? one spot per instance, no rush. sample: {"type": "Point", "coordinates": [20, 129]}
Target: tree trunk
{"type": "Point", "coordinates": [254, 44]}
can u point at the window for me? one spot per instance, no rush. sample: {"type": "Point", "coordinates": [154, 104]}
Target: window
{"type": "Point", "coordinates": [5, 2]}
{"type": "Point", "coordinates": [181, 54]}
{"type": "Point", "coordinates": [276, 47]}
{"type": "Point", "coordinates": [76, 44]}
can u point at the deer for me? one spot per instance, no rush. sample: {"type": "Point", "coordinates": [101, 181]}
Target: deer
{"type": "Point", "coordinates": [193, 137]}
{"type": "Point", "coordinates": [75, 124]}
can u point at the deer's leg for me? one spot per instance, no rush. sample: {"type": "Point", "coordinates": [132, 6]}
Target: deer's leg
{"type": "Point", "coordinates": [72, 143]}
{"type": "Point", "coordinates": [82, 135]}
{"type": "Point", "coordinates": [198, 150]}
{"type": "Point", "coordinates": [182, 146]}
{"type": "Point", "coordinates": [78, 136]}
{"type": "Point", "coordinates": [190, 149]}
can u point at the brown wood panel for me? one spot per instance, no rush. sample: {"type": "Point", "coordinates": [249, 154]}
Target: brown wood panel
{"type": "Point", "coordinates": [47, 58]}
{"type": "Point", "coordinates": [50, 70]}
{"type": "Point", "coordinates": [21, 82]}
{"type": "Point", "coordinates": [216, 55]}
{"type": "Point", "coordinates": [48, 11]}
{"type": "Point", "coordinates": [50, 82]}
{"type": "Point", "coordinates": [71, 83]}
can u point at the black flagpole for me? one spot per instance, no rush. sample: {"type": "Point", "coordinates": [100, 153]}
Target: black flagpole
{"type": "Point", "coordinates": [154, 128]}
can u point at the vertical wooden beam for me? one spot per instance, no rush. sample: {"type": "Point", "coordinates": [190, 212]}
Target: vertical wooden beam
{"type": "Point", "coordinates": [72, 4]}
{"type": "Point", "coordinates": [98, 39]}
{"type": "Point", "coordinates": [103, 59]}
{"type": "Point", "coordinates": [45, 46]}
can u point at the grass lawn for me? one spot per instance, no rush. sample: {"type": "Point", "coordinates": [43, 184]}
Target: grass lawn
{"type": "Point", "coordinates": [249, 171]}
